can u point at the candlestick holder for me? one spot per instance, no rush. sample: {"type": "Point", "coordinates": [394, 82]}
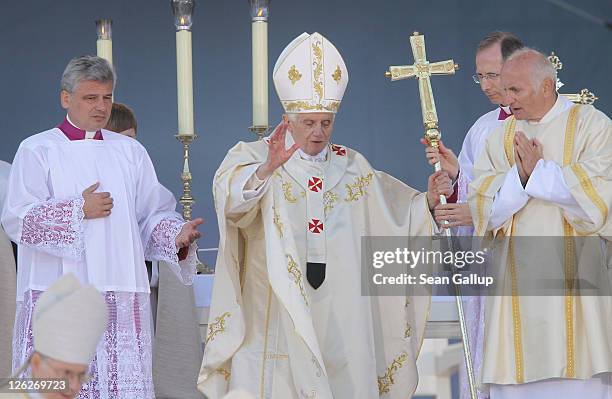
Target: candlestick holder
{"type": "Point", "coordinates": [187, 199]}
{"type": "Point", "coordinates": [260, 131]}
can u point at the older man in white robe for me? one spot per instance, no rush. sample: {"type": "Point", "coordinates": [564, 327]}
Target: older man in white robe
{"type": "Point", "coordinates": [547, 172]}
{"type": "Point", "coordinates": [288, 317]}
{"type": "Point", "coordinates": [492, 50]}
{"type": "Point", "coordinates": [67, 326]}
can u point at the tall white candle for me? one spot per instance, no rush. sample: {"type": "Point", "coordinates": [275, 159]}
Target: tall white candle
{"type": "Point", "coordinates": [184, 82]}
{"type": "Point", "coordinates": [260, 73]}
{"type": "Point", "coordinates": [105, 49]}
{"type": "Point", "coordinates": [104, 44]}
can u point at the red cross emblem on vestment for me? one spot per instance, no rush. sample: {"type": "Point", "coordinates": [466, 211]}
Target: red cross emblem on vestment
{"type": "Point", "coordinates": [338, 150]}
{"type": "Point", "coordinates": [315, 184]}
{"type": "Point", "coordinates": [315, 226]}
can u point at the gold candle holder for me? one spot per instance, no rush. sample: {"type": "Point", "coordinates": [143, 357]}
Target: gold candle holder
{"type": "Point", "coordinates": [187, 199]}
{"type": "Point", "coordinates": [260, 131]}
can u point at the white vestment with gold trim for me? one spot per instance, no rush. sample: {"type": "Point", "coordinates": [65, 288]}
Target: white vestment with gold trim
{"type": "Point", "coordinates": [537, 346]}
{"type": "Point", "coordinates": [270, 332]}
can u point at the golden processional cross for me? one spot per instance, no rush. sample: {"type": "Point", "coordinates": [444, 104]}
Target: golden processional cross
{"type": "Point", "coordinates": [422, 70]}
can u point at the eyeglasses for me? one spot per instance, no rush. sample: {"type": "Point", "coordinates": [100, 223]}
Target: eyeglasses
{"type": "Point", "coordinates": [478, 78]}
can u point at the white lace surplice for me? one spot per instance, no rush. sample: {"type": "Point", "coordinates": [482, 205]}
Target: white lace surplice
{"type": "Point", "coordinates": [43, 213]}
{"type": "Point", "coordinates": [122, 366]}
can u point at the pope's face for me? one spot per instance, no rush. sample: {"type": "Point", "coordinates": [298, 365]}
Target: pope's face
{"type": "Point", "coordinates": [526, 101]}
{"type": "Point", "coordinates": [489, 63]}
{"type": "Point", "coordinates": [89, 106]}
{"type": "Point", "coordinates": [312, 131]}
{"type": "Point", "coordinates": [74, 374]}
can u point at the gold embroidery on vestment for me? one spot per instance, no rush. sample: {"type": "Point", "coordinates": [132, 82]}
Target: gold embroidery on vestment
{"type": "Point", "coordinates": [358, 189]}
{"type": "Point", "coordinates": [296, 273]}
{"type": "Point", "coordinates": [329, 200]}
{"type": "Point", "coordinates": [216, 327]}
{"type": "Point", "coordinates": [387, 380]}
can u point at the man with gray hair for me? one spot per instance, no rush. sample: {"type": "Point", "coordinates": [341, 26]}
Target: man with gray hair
{"type": "Point", "coordinates": [87, 201]}
{"type": "Point", "coordinates": [545, 173]}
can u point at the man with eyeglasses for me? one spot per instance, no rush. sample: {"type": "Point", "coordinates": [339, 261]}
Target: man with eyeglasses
{"type": "Point", "coordinates": [67, 325]}
{"type": "Point", "coordinates": [491, 53]}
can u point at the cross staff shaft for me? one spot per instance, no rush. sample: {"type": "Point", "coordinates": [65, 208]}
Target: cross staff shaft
{"type": "Point", "coordinates": [422, 70]}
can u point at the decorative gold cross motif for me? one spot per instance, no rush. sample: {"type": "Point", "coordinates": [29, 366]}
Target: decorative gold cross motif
{"type": "Point", "coordinates": [337, 75]}
{"type": "Point", "coordinates": [294, 75]}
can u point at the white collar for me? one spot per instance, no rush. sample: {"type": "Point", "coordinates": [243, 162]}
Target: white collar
{"type": "Point", "coordinates": [320, 157]}
{"type": "Point", "coordinates": [88, 135]}
{"type": "Point", "coordinates": [561, 105]}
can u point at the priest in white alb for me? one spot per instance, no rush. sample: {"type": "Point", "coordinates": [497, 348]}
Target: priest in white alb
{"type": "Point", "coordinates": [288, 318]}
{"type": "Point", "coordinates": [547, 172]}
{"type": "Point", "coordinates": [491, 52]}
{"type": "Point", "coordinates": [87, 201]}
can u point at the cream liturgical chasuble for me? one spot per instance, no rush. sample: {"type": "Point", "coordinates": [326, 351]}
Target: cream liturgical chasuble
{"type": "Point", "coordinates": [273, 334]}
{"type": "Point", "coordinates": [530, 339]}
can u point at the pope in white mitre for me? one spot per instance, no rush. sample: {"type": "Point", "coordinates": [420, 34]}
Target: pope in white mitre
{"type": "Point", "coordinates": [288, 318]}
{"type": "Point", "coordinates": [547, 172]}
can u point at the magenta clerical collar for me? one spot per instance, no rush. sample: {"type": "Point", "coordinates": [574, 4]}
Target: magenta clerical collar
{"type": "Point", "coordinates": [504, 113]}
{"type": "Point", "coordinates": [74, 133]}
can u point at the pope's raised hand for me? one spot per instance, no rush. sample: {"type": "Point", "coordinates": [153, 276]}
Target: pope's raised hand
{"type": "Point", "coordinates": [277, 153]}
{"type": "Point", "coordinates": [96, 205]}
{"type": "Point", "coordinates": [446, 156]}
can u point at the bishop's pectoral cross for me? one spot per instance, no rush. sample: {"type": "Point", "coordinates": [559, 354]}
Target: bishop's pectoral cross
{"type": "Point", "coordinates": [422, 69]}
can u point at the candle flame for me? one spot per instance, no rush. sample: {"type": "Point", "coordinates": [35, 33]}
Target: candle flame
{"type": "Point", "coordinates": [103, 30]}
{"type": "Point", "coordinates": [260, 12]}
{"type": "Point", "coordinates": [182, 20]}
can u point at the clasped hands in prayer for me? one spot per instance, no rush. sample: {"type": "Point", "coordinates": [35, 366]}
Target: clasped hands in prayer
{"type": "Point", "coordinates": [527, 153]}
{"type": "Point", "coordinates": [99, 205]}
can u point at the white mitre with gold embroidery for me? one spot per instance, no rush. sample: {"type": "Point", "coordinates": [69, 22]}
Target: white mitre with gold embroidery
{"type": "Point", "coordinates": [310, 75]}
{"type": "Point", "coordinates": [69, 320]}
